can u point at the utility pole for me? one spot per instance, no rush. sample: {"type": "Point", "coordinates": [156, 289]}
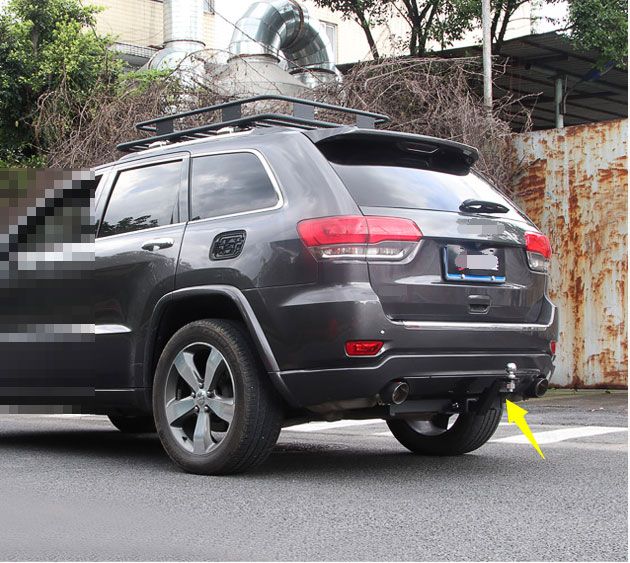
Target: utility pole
{"type": "Point", "coordinates": [558, 103]}
{"type": "Point", "coordinates": [487, 56]}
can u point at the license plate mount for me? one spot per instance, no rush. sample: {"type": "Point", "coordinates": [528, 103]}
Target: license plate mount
{"type": "Point", "coordinates": [465, 264]}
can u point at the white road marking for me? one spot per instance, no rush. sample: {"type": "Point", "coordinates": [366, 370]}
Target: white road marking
{"type": "Point", "coordinates": [551, 436]}
{"type": "Point", "coordinates": [319, 426]}
{"type": "Point", "coordinates": [70, 415]}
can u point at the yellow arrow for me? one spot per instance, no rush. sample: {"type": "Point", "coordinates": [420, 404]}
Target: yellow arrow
{"type": "Point", "coordinates": [517, 414]}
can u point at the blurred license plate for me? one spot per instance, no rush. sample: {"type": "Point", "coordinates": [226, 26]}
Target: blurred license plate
{"type": "Point", "coordinates": [465, 264]}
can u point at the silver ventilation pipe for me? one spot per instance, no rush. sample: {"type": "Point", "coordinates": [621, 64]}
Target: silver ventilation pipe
{"type": "Point", "coordinates": [183, 34]}
{"type": "Point", "coordinates": [270, 28]}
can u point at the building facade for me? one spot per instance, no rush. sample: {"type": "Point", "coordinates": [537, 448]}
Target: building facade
{"type": "Point", "coordinates": [137, 27]}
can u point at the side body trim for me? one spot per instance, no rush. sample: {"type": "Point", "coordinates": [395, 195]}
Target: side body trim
{"type": "Point", "coordinates": [111, 329]}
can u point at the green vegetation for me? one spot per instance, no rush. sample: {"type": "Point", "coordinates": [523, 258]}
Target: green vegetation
{"type": "Point", "coordinates": [591, 24]}
{"type": "Point", "coordinates": [601, 25]}
{"type": "Point", "coordinates": [45, 44]}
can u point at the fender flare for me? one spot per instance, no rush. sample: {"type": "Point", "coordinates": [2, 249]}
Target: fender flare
{"type": "Point", "coordinates": [237, 297]}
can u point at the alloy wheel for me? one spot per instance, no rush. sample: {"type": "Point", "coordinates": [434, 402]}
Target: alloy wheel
{"type": "Point", "coordinates": [199, 398]}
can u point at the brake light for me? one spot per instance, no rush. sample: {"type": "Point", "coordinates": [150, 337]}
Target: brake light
{"type": "Point", "coordinates": [333, 230]}
{"type": "Point", "coordinates": [538, 251]}
{"type": "Point", "coordinates": [363, 347]}
{"type": "Point", "coordinates": [392, 228]}
{"type": "Point", "coordinates": [537, 242]}
{"type": "Point", "coordinates": [351, 237]}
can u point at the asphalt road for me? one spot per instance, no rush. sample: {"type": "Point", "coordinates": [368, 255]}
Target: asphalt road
{"type": "Point", "coordinates": [74, 488]}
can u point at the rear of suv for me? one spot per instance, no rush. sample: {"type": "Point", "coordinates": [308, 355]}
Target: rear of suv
{"type": "Point", "coordinates": [273, 269]}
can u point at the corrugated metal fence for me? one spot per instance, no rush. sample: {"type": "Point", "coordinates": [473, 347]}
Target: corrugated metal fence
{"type": "Point", "coordinates": [575, 188]}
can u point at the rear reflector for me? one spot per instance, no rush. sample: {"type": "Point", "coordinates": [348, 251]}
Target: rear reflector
{"type": "Point", "coordinates": [355, 237]}
{"type": "Point", "coordinates": [363, 347]}
{"type": "Point", "coordinates": [552, 345]}
{"type": "Point", "coordinates": [537, 242]}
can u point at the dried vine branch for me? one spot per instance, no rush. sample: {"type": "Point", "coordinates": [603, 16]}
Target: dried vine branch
{"type": "Point", "coordinates": [434, 97]}
{"type": "Point", "coordinates": [427, 96]}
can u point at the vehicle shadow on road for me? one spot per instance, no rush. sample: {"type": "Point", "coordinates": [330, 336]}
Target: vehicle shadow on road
{"type": "Point", "coordinates": [92, 443]}
{"type": "Point", "coordinates": [322, 459]}
{"type": "Point", "coordinates": [294, 458]}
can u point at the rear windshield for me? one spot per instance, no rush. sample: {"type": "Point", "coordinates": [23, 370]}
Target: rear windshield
{"type": "Point", "coordinates": [397, 186]}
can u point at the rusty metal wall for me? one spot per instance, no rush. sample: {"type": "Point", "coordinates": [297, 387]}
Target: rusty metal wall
{"type": "Point", "coordinates": [575, 188]}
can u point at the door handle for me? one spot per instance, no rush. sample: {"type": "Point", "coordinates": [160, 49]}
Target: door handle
{"type": "Point", "coordinates": [158, 243]}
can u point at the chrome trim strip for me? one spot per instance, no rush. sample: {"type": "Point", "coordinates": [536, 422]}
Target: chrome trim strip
{"type": "Point", "coordinates": [145, 231]}
{"type": "Point", "coordinates": [53, 332]}
{"type": "Point", "coordinates": [111, 329]}
{"type": "Point", "coordinates": [479, 327]}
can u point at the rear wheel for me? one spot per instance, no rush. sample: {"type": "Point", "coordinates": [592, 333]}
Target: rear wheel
{"type": "Point", "coordinates": [215, 410]}
{"type": "Point", "coordinates": [132, 424]}
{"type": "Point", "coordinates": [441, 436]}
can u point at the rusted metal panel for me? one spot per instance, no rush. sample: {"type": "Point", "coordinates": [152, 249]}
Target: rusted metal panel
{"type": "Point", "coordinates": [575, 188]}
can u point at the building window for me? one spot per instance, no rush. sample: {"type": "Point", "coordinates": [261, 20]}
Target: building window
{"type": "Point", "coordinates": [330, 29]}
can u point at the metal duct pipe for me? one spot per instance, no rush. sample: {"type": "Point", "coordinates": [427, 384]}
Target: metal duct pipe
{"type": "Point", "coordinates": [183, 32]}
{"type": "Point", "coordinates": [269, 27]}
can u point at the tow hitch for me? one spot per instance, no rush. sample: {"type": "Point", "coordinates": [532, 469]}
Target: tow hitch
{"type": "Point", "coordinates": [499, 389]}
{"type": "Point", "coordinates": [510, 386]}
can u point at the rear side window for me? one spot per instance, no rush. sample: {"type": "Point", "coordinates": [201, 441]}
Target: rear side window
{"type": "Point", "coordinates": [142, 198]}
{"type": "Point", "coordinates": [223, 184]}
{"type": "Point", "coordinates": [397, 186]}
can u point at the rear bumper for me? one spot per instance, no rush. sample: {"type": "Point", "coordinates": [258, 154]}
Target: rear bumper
{"type": "Point", "coordinates": [454, 376]}
{"type": "Point", "coordinates": [308, 326]}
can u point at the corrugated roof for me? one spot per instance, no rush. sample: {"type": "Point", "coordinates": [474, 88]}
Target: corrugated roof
{"type": "Point", "coordinates": [533, 64]}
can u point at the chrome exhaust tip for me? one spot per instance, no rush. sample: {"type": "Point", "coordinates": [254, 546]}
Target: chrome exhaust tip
{"type": "Point", "coordinates": [394, 393]}
{"type": "Point", "coordinates": [541, 385]}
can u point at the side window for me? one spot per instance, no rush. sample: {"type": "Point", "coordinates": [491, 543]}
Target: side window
{"type": "Point", "coordinates": [63, 218]}
{"type": "Point", "coordinates": [98, 178]}
{"type": "Point", "coordinates": [223, 184]}
{"type": "Point", "coordinates": [142, 198]}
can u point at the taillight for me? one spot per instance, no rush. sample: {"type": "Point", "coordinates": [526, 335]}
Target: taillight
{"type": "Point", "coordinates": [538, 251]}
{"type": "Point", "coordinates": [355, 237]}
{"type": "Point", "coordinates": [552, 347]}
{"type": "Point", "coordinates": [363, 347]}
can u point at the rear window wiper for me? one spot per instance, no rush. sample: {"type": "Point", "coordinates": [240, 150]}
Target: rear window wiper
{"type": "Point", "coordinates": [482, 206]}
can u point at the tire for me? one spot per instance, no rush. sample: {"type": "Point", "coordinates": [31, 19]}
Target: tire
{"type": "Point", "coordinates": [468, 432]}
{"type": "Point", "coordinates": [215, 409]}
{"type": "Point", "coordinates": [132, 424]}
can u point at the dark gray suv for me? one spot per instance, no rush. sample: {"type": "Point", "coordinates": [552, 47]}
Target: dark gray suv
{"type": "Point", "coordinates": [273, 269]}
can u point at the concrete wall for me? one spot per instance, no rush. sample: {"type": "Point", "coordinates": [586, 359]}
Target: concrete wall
{"type": "Point", "coordinates": [575, 188]}
{"type": "Point", "coordinates": [140, 22]}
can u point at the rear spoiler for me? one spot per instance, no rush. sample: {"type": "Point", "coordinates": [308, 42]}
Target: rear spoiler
{"type": "Point", "coordinates": [351, 145]}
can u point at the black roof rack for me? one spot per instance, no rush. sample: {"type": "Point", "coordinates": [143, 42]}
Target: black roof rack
{"type": "Point", "coordinates": [231, 116]}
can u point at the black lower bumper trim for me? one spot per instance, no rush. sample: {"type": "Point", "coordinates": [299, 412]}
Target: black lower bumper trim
{"type": "Point", "coordinates": [434, 376]}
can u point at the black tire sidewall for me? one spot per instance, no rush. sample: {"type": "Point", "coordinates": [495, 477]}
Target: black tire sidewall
{"type": "Point", "coordinates": [469, 432]}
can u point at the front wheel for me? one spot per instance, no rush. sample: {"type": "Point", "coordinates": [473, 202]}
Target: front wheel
{"type": "Point", "coordinates": [215, 410]}
{"type": "Point", "coordinates": [437, 437]}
